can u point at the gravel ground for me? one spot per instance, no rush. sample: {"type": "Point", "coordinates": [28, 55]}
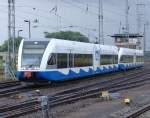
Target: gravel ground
{"type": "Point", "coordinates": [145, 115]}
{"type": "Point", "coordinates": [79, 109]}
{"type": "Point", "coordinates": [96, 108]}
{"type": "Point", "coordinates": [56, 87]}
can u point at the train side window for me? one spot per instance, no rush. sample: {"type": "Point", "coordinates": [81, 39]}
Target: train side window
{"type": "Point", "coordinates": [51, 63]}
{"type": "Point", "coordinates": [77, 60]}
{"type": "Point", "coordinates": [62, 60]}
{"type": "Point", "coordinates": [106, 59]}
{"type": "Point", "coordinates": [126, 59]}
{"type": "Point", "coordinates": [89, 60]}
{"type": "Point", "coordinates": [52, 60]}
{"type": "Point", "coordinates": [81, 60]}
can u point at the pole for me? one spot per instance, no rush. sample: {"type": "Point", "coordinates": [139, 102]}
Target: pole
{"type": "Point", "coordinates": [29, 29]}
{"type": "Point", "coordinates": [144, 38]}
{"type": "Point", "coordinates": [100, 17]}
{"type": "Point", "coordinates": [19, 33]}
{"type": "Point", "coordinates": [102, 22]}
{"type": "Point", "coordinates": [99, 24]}
{"type": "Point", "coordinates": [120, 26]}
{"type": "Point", "coordinates": [44, 106]}
{"type": "Point", "coordinates": [29, 23]}
{"type": "Point", "coordinates": [9, 38]}
{"type": "Point", "coordinates": [146, 25]}
{"type": "Point", "coordinates": [9, 30]}
{"type": "Point", "coordinates": [127, 21]}
{"type": "Point", "coordinates": [14, 35]}
{"type": "Point", "coordinates": [140, 6]}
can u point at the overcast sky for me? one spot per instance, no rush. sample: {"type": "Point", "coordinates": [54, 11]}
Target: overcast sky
{"type": "Point", "coordinates": [82, 14]}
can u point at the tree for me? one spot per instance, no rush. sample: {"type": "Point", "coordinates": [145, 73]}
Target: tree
{"type": "Point", "coordinates": [4, 46]}
{"type": "Point", "coordinates": [67, 35]}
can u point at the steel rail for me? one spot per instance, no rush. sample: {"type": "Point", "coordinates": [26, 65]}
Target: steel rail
{"type": "Point", "coordinates": [138, 112]}
{"type": "Point", "coordinates": [33, 106]}
{"type": "Point", "coordinates": [74, 94]}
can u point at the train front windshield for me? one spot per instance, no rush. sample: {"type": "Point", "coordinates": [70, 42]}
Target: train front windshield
{"type": "Point", "coordinates": [32, 53]}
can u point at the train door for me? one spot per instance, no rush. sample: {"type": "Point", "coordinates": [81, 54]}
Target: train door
{"type": "Point", "coordinates": [96, 58]}
{"type": "Point", "coordinates": [134, 58]}
{"type": "Point", "coordinates": [70, 59]}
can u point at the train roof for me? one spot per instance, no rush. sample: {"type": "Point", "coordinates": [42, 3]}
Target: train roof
{"type": "Point", "coordinates": [74, 46]}
{"type": "Point", "coordinates": [83, 47]}
{"type": "Point", "coordinates": [140, 52]}
{"type": "Point", "coordinates": [61, 44]}
{"type": "Point", "coordinates": [37, 39]}
{"type": "Point", "coordinates": [127, 51]}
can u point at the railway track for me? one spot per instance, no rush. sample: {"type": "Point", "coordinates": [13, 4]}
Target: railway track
{"type": "Point", "coordinates": [5, 84]}
{"type": "Point", "coordinates": [11, 90]}
{"type": "Point", "coordinates": [6, 92]}
{"type": "Point", "coordinates": [74, 94]}
{"type": "Point", "coordinates": [138, 112]}
{"type": "Point", "coordinates": [8, 88]}
{"type": "Point", "coordinates": [86, 92]}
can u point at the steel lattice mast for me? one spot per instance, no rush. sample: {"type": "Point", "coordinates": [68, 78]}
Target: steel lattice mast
{"type": "Point", "coordinates": [127, 21]}
{"type": "Point", "coordinates": [100, 18]}
{"type": "Point", "coordinates": [140, 6]}
{"type": "Point", "coordinates": [11, 31]}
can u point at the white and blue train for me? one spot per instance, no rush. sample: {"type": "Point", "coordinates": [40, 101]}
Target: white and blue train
{"type": "Point", "coordinates": [49, 60]}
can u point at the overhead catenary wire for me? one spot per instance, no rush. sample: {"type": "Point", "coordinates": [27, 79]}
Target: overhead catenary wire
{"type": "Point", "coordinates": [107, 19]}
{"type": "Point", "coordinates": [97, 7]}
{"type": "Point", "coordinates": [40, 10]}
{"type": "Point", "coordinates": [78, 4]}
{"type": "Point", "coordinates": [45, 12]}
{"type": "Point", "coordinates": [89, 11]}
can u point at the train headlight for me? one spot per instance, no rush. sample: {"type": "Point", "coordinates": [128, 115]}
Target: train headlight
{"type": "Point", "coordinates": [35, 42]}
{"type": "Point", "coordinates": [36, 68]}
{"type": "Point", "coordinates": [30, 68]}
{"type": "Point", "coordinates": [23, 68]}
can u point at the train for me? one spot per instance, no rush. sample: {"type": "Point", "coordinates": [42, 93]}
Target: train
{"type": "Point", "coordinates": [48, 60]}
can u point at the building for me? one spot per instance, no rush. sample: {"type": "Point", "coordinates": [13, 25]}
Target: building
{"type": "Point", "coordinates": [128, 41]}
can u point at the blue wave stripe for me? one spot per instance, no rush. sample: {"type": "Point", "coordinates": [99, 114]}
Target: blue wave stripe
{"type": "Point", "coordinates": [58, 76]}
